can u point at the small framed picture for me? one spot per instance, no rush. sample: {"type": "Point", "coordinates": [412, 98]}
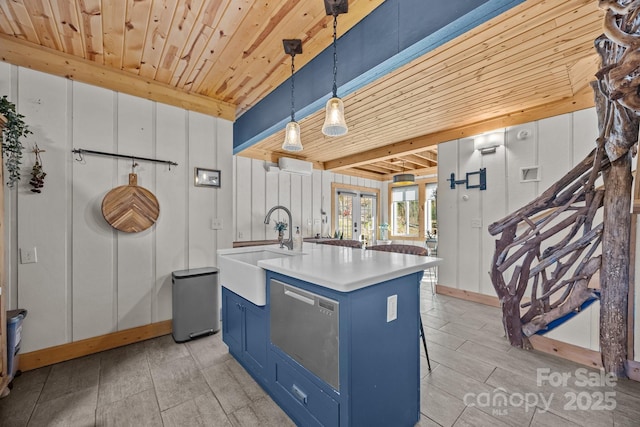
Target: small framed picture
{"type": "Point", "coordinates": [207, 178]}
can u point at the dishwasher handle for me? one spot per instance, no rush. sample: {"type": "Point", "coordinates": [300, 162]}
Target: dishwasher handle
{"type": "Point", "coordinates": [295, 295]}
{"type": "Point", "coordinates": [299, 394]}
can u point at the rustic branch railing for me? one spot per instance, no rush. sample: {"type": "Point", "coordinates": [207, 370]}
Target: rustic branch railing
{"type": "Point", "coordinates": [552, 257]}
{"type": "Point", "coordinates": [548, 256]}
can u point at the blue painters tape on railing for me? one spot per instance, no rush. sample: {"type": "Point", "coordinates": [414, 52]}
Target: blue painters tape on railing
{"type": "Point", "coordinates": [554, 324]}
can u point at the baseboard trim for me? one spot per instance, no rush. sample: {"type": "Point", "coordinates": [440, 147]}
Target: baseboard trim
{"type": "Point", "coordinates": [490, 300]}
{"type": "Point", "coordinates": [574, 353]}
{"type": "Point", "coordinates": [633, 370]}
{"type": "Point", "coordinates": [60, 353]}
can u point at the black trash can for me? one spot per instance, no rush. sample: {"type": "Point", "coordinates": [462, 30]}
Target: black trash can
{"type": "Point", "coordinates": [195, 303]}
{"type": "Point", "coordinates": [14, 339]}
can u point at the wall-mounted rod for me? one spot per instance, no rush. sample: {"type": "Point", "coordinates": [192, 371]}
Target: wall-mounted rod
{"type": "Point", "coordinates": [82, 151]}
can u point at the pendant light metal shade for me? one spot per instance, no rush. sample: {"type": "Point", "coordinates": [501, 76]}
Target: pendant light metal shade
{"type": "Point", "coordinates": [334, 123]}
{"type": "Point", "coordinates": [292, 140]}
{"type": "Point", "coordinates": [404, 179]}
{"type": "Point", "coordinates": [292, 137]}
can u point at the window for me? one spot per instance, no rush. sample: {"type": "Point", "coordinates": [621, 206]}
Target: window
{"type": "Point", "coordinates": [413, 210]}
{"type": "Point", "coordinates": [368, 210]}
{"type": "Point", "coordinates": [405, 211]}
{"type": "Point", "coordinates": [430, 212]}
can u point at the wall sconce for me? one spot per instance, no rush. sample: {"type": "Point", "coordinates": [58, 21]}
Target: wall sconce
{"type": "Point", "coordinates": [334, 122]}
{"type": "Point", "coordinates": [488, 142]}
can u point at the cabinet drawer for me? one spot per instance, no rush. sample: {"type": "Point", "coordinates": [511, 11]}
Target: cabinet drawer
{"type": "Point", "coordinates": [311, 405]}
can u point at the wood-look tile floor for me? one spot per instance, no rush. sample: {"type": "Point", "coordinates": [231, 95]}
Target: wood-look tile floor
{"type": "Point", "coordinates": [477, 379]}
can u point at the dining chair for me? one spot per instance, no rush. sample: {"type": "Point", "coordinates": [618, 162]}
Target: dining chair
{"type": "Point", "coordinates": [411, 250]}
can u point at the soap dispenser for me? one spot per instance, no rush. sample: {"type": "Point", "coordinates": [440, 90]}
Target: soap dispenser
{"type": "Point", "coordinates": [297, 240]}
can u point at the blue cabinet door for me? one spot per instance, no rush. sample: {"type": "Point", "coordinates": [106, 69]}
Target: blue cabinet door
{"type": "Point", "coordinates": [244, 330]}
{"type": "Point", "coordinates": [232, 323]}
{"type": "Point", "coordinates": [255, 338]}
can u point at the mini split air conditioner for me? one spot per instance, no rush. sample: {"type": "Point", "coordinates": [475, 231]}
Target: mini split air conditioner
{"type": "Point", "coordinates": [299, 167]}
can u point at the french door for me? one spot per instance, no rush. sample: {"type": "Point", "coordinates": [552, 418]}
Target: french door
{"type": "Point", "coordinates": [356, 215]}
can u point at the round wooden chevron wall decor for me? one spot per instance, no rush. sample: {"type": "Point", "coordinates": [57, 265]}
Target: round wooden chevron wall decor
{"type": "Point", "coordinates": [130, 208]}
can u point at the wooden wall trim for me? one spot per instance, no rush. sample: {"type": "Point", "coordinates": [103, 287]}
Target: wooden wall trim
{"type": "Point", "coordinates": [60, 353]}
{"type": "Point", "coordinates": [633, 370]}
{"type": "Point", "coordinates": [581, 355]}
{"type": "Point", "coordinates": [29, 55]}
{"type": "Point", "coordinates": [489, 300]}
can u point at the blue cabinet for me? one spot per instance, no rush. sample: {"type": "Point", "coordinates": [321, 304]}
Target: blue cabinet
{"type": "Point", "coordinates": [244, 330]}
{"type": "Point", "coordinates": [379, 355]}
{"type": "Point", "coordinates": [306, 399]}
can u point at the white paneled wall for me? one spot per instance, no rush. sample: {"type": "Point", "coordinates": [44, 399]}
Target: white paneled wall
{"type": "Point", "coordinates": [91, 279]}
{"type": "Point", "coordinates": [556, 145]}
{"type": "Point", "coordinates": [258, 190]}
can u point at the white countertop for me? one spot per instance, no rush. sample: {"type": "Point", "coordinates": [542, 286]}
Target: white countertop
{"type": "Point", "coordinates": [340, 268]}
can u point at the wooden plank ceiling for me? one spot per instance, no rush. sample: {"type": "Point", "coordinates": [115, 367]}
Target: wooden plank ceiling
{"type": "Point", "coordinates": [228, 51]}
{"type": "Point", "coordinates": [222, 57]}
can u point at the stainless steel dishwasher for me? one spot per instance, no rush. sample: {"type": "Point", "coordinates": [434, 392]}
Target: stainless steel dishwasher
{"type": "Point", "coordinates": [306, 327]}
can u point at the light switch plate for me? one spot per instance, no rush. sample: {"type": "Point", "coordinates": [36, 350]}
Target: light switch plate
{"type": "Point", "coordinates": [392, 308]}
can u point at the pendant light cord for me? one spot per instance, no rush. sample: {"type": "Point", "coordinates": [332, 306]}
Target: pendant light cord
{"type": "Point", "coordinates": [293, 84]}
{"type": "Point", "coordinates": [335, 55]}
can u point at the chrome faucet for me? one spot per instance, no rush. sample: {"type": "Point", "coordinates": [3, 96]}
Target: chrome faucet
{"type": "Point", "coordinates": [289, 242]}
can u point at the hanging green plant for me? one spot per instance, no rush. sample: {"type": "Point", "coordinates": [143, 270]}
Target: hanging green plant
{"type": "Point", "coordinates": [37, 173]}
{"type": "Point", "coordinates": [14, 129]}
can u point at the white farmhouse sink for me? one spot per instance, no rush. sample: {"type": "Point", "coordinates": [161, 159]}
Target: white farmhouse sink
{"type": "Point", "coordinates": [239, 271]}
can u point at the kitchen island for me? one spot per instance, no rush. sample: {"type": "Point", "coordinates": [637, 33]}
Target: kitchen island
{"type": "Point", "coordinates": [334, 338]}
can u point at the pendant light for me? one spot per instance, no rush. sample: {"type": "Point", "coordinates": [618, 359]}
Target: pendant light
{"type": "Point", "coordinates": [404, 178]}
{"type": "Point", "coordinates": [292, 132]}
{"type": "Point", "coordinates": [334, 122]}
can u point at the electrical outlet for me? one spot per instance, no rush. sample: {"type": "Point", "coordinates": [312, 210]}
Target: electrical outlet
{"type": "Point", "coordinates": [240, 235]}
{"type": "Point", "coordinates": [476, 223]}
{"type": "Point", "coordinates": [28, 256]}
{"type": "Point", "coordinates": [392, 308]}
{"type": "Point", "coordinates": [216, 223]}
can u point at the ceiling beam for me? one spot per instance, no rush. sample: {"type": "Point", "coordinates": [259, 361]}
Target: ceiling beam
{"type": "Point", "coordinates": [25, 54]}
{"type": "Point", "coordinates": [363, 174]}
{"type": "Point", "coordinates": [416, 172]}
{"type": "Point", "coordinates": [270, 157]}
{"type": "Point", "coordinates": [430, 156]}
{"type": "Point", "coordinates": [418, 160]}
{"type": "Point", "coordinates": [374, 168]}
{"type": "Point", "coordinates": [390, 166]}
{"type": "Point", "coordinates": [583, 99]}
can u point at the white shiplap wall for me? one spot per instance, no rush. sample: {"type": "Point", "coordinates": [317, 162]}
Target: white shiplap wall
{"type": "Point", "coordinates": [556, 145]}
{"type": "Point", "coordinates": [91, 279]}
{"type": "Point", "coordinates": [258, 190]}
